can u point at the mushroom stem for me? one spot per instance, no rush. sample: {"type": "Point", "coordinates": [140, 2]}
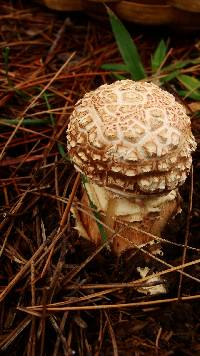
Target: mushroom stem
{"type": "Point", "coordinates": [135, 217]}
{"type": "Point", "coordinates": [110, 217]}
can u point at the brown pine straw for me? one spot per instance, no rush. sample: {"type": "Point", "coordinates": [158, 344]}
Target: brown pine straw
{"type": "Point", "coordinates": [110, 306]}
{"type": "Point", "coordinates": [33, 102]}
{"type": "Point", "coordinates": [187, 231]}
{"type": "Point", "coordinates": [77, 297]}
{"type": "Point", "coordinates": [81, 207]}
{"type": "Point", "coordinates": [42, 247]}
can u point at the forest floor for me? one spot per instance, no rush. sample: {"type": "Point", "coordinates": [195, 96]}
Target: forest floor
{"type": "Point", "coordinates": [59, 294]}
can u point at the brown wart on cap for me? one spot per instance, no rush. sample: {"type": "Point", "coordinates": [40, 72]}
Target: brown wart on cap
{"type": "Point", "coordinates": [133, 141]}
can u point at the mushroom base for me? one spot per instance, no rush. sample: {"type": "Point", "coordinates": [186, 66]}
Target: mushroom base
{"type": "Point", "coordinates": [123, 232]}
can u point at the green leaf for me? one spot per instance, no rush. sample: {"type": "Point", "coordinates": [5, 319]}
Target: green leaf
{"type": "Point", "coordinates": [126, 47]}
{"type": "Point", "coordinates": [190, 83]}
{"type": "Point", "coordinates": [158, 56]}
{"type": "Point", "coordinates": [115, 67]}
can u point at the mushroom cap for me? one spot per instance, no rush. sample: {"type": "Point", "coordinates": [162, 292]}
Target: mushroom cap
{"type": "Point", "coordinates": [131, 136]}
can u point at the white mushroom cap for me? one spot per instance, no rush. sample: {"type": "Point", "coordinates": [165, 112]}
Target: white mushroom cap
{"type": "Point", "coordinates": [131, 136]}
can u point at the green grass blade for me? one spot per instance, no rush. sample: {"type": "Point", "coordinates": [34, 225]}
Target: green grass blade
{"type": "Point", "coordinates": [94, 210]}
{"type": "Point", "coordinates": [191, 84]}
{"type": "Point", "coordinates": [59, 145]}
{"type": "Point", "coordinates": [170, 76]}
{"type": "Point", "coordinates": [181, 64]}
{"type": "Point", "coordinates": [5, 55]}
{"type": "Point", "coordinates": [187, 94]}
{"type": "Point", "coordinates": [126, 47]}
{"type": "Point", "coordinates": [115, 67]}
{"type": "Point", "coordinates": [158, 56]}
{"type": "Point", "coordinates": [118, 76]}
{"type": "Point", "coordinates": [49, 108]}
{"type": "Point", "coordinates": [62, 151]}
{"type": "Point", "coordinates": [26, 122]}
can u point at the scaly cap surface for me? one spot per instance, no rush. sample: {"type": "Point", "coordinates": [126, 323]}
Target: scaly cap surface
{"type": "Point", "coordinates": [131, 136]}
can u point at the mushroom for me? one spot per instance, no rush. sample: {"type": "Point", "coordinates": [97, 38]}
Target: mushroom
{"type": "Point", "coordinates": [133, 143]}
